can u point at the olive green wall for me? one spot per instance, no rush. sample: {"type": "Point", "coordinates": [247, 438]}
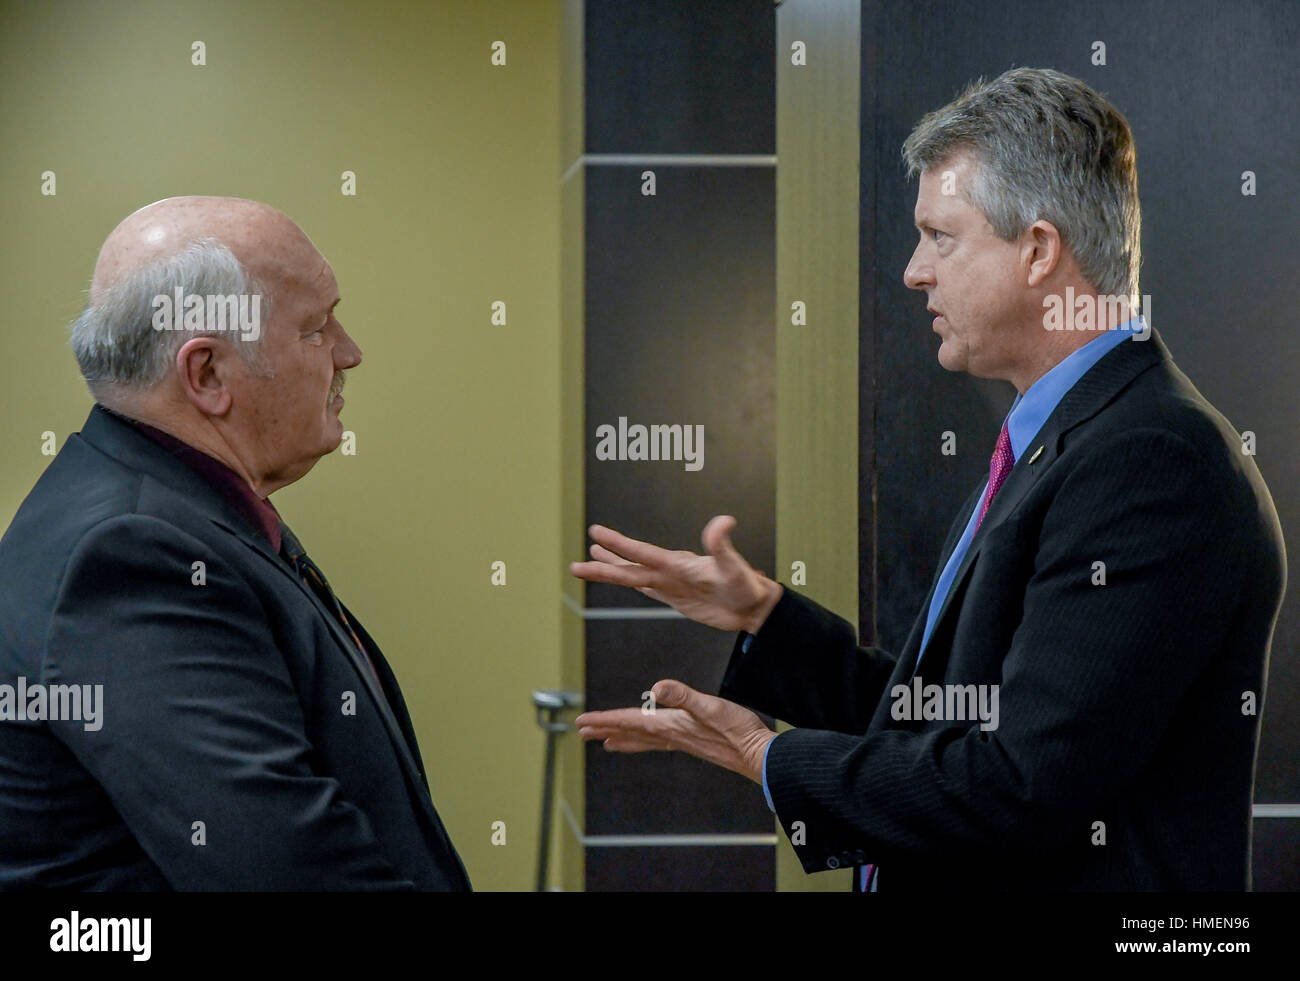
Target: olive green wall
{"type": "Point", "coordinates": [457, 422]}
{"type": "Point", "coordinates": [570, 873]}
{"type": "Point", "coordinates": [817, 151]}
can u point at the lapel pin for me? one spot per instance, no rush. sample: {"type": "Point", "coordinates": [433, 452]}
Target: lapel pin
{"type": "Point", "coordinates": [1035, 456]}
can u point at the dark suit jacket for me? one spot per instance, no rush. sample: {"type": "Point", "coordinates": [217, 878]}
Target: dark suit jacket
{"type": "Point", "coordinates": [1121, 705]}
{"type": "Point", "coordinates": [223, 703]}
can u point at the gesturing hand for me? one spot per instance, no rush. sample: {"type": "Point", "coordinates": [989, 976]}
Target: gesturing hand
{"type": "Point", "coordinates": [719, 589]}
{"type": "Point", "coordinates": [710, 728]}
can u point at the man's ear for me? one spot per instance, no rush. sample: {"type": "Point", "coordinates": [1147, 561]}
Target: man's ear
{"type": "Point", "coordinates": [1042, 250]}
{"type": "Point", "coordinates": [201, 365]}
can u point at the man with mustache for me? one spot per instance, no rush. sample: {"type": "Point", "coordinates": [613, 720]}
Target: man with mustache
{"type": "Point", "coordinates": [253, 736]}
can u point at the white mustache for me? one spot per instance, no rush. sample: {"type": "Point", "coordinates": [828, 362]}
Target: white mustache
{"type": "Point", "coordinates": [336, 386]}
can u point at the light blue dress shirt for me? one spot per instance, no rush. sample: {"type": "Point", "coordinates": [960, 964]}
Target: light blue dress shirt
{"type": "Point", "coordinates": [1026, 417]}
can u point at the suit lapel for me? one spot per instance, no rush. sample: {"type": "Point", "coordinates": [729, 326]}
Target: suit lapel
{"type": "Point", "coordinates": [1098, 387]}
{"type": "Point", "coordinates": [120, 440]}
{"type": "Point", "coordinates": [1013, 489]}
{"type": "Point", "coordinates": [354, 656]}
{"type": "Point", "coordinates": [912, 646]}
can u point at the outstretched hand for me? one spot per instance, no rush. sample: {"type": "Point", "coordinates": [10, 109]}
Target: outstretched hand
{"type": "Point", "coordinates": [719, 589]}
{"type": "Point", "coordinates": [681, 718]}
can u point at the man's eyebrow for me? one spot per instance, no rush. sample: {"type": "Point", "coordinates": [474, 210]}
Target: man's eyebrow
{"type": "Point", "coordinates": [311, 317]}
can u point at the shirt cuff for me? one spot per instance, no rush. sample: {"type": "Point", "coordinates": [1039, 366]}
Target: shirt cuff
{"type": "Point", "coordinates": [767, 793]}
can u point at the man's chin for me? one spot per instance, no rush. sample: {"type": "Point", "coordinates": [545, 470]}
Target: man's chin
{"type": "Point", "coordinates": [331, 432]}
{"type": "Point", "coordinates": [950, 360]}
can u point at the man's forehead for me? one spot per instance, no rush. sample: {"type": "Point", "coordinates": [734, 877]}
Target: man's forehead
{"type": "Point", "coordinates": [941, 194]}
{"type": "Point", "coordinates": [937, 208]}
{"type": "Point", "coordinates": [325, 277]}
{"type": "Point", "coordinates": [323, 287]}
{"type": "Point", "coordinates": [313, 292]}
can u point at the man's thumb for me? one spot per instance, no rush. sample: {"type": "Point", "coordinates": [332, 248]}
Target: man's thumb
{"type": "Point", "coordinates": [672, 694]}
{"type": "Point", "coordinates": [717, 537]}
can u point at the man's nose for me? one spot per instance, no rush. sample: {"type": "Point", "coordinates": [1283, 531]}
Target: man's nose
{"type": "Point", "coordinates": [917, 275]}
{"type": "Point", "coordinates": [346, 354]}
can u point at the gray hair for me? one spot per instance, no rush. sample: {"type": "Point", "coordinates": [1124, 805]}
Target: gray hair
{"type": "Point", "coordinates": [114, 338]}
{"type": "Point", "coordinates": [1045, 146]}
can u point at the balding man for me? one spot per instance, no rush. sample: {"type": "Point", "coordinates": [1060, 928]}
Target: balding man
{"type": "Point", "coordinates": [189, 704]}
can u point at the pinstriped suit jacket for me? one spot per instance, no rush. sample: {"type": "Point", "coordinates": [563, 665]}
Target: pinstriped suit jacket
{"type": "Point", "coordinates": [1125, 748]}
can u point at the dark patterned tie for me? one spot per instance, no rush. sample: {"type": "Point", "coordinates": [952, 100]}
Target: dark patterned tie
{"type": "Point", "coordinates": [315, 580]}
{"type": "Point", "coordinates": [999, 466]}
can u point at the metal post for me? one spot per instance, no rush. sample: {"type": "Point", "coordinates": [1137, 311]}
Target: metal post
{"type": "Point", "coordinates": [549, 703]}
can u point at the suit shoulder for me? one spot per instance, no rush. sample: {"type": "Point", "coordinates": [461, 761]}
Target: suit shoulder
{"type": "Point", "coordinates": [1170, 433]}
{"type": "Point", "coordinates": [1162, 404]}
{"type": "Point", "coordinates": [80, 488]}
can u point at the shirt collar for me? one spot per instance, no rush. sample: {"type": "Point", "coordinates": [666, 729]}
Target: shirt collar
{"type": "Point", "coordinates": [1030, 410]}
{"type": "Point", "coordinates": [257, 511]}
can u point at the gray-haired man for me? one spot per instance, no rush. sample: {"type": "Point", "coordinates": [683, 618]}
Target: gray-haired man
{"type": "Point", "coordinates": [1109, 593]}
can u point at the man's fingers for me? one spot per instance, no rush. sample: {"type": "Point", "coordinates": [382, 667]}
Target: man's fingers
{"type": "Point", "coordinates": [624, 745]}
{"type": "Point", "coordinates": [633, 726]}
{"type": "Point", "coordinates": [654, 594]}
{"type": "Point", "coordinates": [683, 719]}
{"type": "Point", "coordinates": [602, 554]}
{"type": "Point", "coordinates": [641, 552]}
{"type": "Point", "coordinates": [621, 720]}
{"type": "Point", "coordinates": [632, 729]}
{"type": "Point", "coordinates": [624, 739]}
{"type": "Point", "coordinates": [630, 574]}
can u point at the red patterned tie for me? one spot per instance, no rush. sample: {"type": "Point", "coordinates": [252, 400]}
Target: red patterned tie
{"type": "Point", "coordinates": [999, 466]}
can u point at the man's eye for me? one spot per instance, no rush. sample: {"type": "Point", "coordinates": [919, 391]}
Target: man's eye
{"type": "Point", "coordinates": [936, 233]}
